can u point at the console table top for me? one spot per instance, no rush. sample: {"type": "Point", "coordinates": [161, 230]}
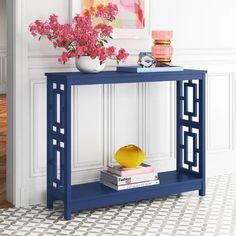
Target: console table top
{"type": "Point", "coordinates": [110, 77]}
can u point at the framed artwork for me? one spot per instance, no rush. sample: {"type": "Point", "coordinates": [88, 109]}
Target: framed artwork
{"type": "Point", "coordinates": [132, 20]}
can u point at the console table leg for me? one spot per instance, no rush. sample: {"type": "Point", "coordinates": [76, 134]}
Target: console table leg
{"type": "Point", "coordinates": [67, 156]}
{"type": "Point", "coordinates": [49, 202]}
{"type": "Point", "coordinates": [178, 125]}
{"type": "Point", "coordinates": [202, 164]}
{"type": "Point", "coordinates": [67, 212]}
{"type": "Point", "coordinates": [202, 192]}
{"type": "Point", "coordinates": [50, 114]}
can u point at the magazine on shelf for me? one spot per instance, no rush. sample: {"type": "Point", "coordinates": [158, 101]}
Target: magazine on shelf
{"type": "Point", "coordinates": [122, 180]}
{"type": "Point", "coordinates": [139, 69]}
{"type": "Point", "coordinates": [130, 186]}
{"type": "Point", "coordinates": [121, 171]}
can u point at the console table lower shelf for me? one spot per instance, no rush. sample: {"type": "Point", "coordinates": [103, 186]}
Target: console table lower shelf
{"type": "Point", "coordinates": [94, 195]}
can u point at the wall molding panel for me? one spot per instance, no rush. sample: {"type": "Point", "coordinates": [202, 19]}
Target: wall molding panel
{"type": "Point", "coordinates": [233, 106]}
{"type": "Point", "coordinates": [88, 128]}
{"type": "Point", "coordinates": [125, 119]}
{"type": "Point", "coordinates": [3, 71]}
{"type": "Point", "coordinates": [219, 99]}
{"type": "Point", "coordinates": [156, 94]}
{"type": "Point", "coordinates": [38, 128]}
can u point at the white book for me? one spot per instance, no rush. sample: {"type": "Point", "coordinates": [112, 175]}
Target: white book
{"type": "Point", "coordinates": [130, 186]}
{"type": "Point", "coordinates": [122, 180]}
{"type": "Point", "coordinates": [122, 171]}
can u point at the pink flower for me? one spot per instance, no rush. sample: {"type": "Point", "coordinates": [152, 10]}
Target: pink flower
{"type": "Point", "coordinates": [122, 55]}
{"type": "Point", "coordinates": [32, 29]}
{"type": "Point", "coordinates": [111, 51]}
{"type": "Point", "coordinates": [64, 57]}
{"type": "Point", "coordinates": [102, 54]}
{"type": "Point", "coordinates": [38, 23]}
{"type": "Point", "coordinates": [53, 19]}
{"type": "Point", "coordinates": [79, 51]}
{"type": "Point", "coordinates": [82, 36]}
{"type": "Point", "coordinates": [106, 30]}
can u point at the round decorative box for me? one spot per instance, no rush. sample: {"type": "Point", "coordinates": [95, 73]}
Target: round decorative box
{"type": "Point", "coordinates": [130, 156]}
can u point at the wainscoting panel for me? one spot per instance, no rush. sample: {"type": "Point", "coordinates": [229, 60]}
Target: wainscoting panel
{"type": "Point", "coordinates": [88, 128]}
{"type": "Point", "coordinates": [3, 71]}
{"type": "Point", "coordinates": [125, 123]}
{"type": "Point", "coordinates": [159, 132]}
{"type": "Point", "coordinates": [233, 105]}
{"type": "Point", "coordinates": [219, 111]}
{"type": "Point", "coordinates": [38, 130]}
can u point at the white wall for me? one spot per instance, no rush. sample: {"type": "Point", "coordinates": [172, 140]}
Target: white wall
{"type": "Point", "coordinates": [3, 46]}
{"type": "Point", "coordinates": [203, 38]}
{"type": "Point", "coordinates": [198, 24]}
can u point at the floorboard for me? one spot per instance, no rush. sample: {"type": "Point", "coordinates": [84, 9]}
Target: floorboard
{"type": "Point", "coordinates": [3, 142]}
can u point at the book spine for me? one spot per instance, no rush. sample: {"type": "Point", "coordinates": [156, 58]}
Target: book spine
{"type": "Point", "coordinates": [110, 185]}
{"type": "Point", "coordinates": [114, 171]}
{"type": "Point", "coordinates": [130, 186]}
{"type": "Point", "coordinates": [109, 178]}
{"type": "Point", "coordinates": [119, 180]}
{"type": "Point", "coordinates": [144, 170]}
{"type": "Point", "coordinates": [138, 171]}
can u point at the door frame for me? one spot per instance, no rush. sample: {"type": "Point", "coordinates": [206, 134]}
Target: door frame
{"type": "Point", "coordinates": [17, 60]}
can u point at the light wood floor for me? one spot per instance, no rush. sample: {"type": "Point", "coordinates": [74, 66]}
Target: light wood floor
{"type": "Point", "coordinates": [3, 133]}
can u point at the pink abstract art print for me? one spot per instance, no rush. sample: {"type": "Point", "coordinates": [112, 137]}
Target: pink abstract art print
{"type": "Point", "coordinates": [131, 12]}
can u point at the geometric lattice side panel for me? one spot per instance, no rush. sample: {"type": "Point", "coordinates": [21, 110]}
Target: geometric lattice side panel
{"type": "Point", "coordinates": [57, 134]}
{"type": "Point", "coordinates": [189, 128]}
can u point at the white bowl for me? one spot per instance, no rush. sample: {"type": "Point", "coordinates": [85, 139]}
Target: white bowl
{"type": "Point", "coordinates": [86, 64]}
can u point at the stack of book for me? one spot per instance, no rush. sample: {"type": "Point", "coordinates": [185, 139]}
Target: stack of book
{"type": "Point", "coordinates": [119, 178]}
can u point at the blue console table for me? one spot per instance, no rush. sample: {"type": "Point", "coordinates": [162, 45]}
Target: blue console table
{"type": "Point", "coordinates": [190, 123]}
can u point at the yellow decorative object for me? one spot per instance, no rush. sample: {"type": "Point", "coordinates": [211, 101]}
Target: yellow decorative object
{"type": "Point", "coordinates": [130, 156]}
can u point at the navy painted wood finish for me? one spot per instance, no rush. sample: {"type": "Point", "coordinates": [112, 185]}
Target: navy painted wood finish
{"type": "Point", "coordinates": [190, 122]}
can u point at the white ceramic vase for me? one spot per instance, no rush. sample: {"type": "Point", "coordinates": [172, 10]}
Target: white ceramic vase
{"type": "Point", "coordinates": [86, 64]}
